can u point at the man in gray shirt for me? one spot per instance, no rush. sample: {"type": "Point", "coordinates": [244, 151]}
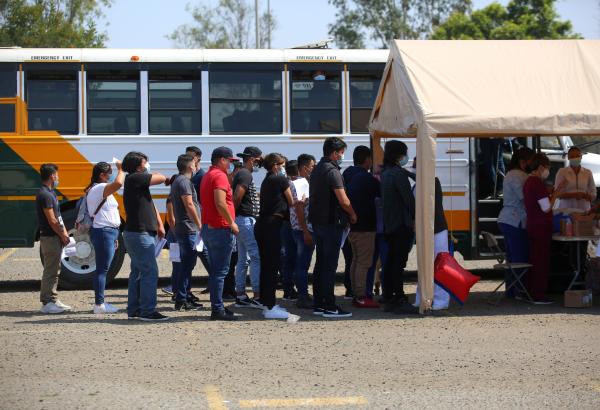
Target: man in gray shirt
{"type": "Point", "coordinates": [187, 229]}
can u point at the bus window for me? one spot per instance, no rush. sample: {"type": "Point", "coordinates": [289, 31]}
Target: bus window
{"type": "Point", "coordinates": [8, 82]}
{"type": "Point", "coordinates": [245, 101]}
{"type": "Point", "coordinates": [7, 118]}
{"type": "Point", "coordinates": [52, 101]}
{"type": "Point", "coordinates": [364, 85]}
{"type": "Point", "coordinates": [113, 102]}
{"type": "Point", "coordinates": [316, 101]}
{"type": "Point", "coordinates": [174, 98]}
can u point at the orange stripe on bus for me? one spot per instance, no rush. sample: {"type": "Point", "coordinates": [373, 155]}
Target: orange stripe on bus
{"type": "Point", "coordinates": [458, 220]}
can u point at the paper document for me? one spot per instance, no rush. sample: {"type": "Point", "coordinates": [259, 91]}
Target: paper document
{"type": "Point", "coordinates": [114, 160]}
{"type": "Point", "coordinates": [159, 245]}
{"type": "Point", "coordinates": [302, 189]}
{"type": "Point", "coordinates": [70, 249]}
{"type": "Point", "coordinates": [344, 236]}
{"type": "Point", "coordinates": [174, 255]}
{"type": "Point", "coordinates": [199, 244]}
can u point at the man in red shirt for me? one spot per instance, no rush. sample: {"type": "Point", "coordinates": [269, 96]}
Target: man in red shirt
{"type": "Point", "coordinates": [218, 226]}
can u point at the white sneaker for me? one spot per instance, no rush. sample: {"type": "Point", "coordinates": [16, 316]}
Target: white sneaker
{"type": "Point", "coordinates": [275, 313]}
{"type": "Point", "coordinates": [62, 305]}
{"type": "Point", "coordinates": [105, 308]}
{"type": "Point", "coordinates": [51, 308]}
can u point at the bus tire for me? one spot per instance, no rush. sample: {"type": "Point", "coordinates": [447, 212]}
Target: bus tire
{"type": "Point", "coordinates": [77, 272]}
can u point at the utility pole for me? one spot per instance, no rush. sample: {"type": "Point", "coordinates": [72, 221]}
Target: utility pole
{"type": "Point", "coordinates": [256, 24]}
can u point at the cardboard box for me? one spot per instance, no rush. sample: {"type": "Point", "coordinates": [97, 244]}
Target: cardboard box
{"type": "Point", "coordinates": [583, 228]}
{"type": "Point", "coordinates": [578, 298]}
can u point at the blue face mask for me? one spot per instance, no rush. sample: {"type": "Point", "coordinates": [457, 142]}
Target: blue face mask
{"type": "Point", "coordinates": [55, 183]}
{"type": "Point", "coordinates": [403, 161]}
{"type": "Point", "coordinates": [282, 173]}
{"type": "Point", "coordinates": [111, 178]}
{"type": "Point", "coordinates": [319, 77]}
{"type": "Point", "coordinates": [255, 168]}
{"type": "Point", "coordinates": [231, 168]}
{"type": "Point", "coordinates": [340, 161]}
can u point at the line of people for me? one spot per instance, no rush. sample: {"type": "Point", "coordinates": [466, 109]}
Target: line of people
{"type": "Point", "coordinates": [303, 207]}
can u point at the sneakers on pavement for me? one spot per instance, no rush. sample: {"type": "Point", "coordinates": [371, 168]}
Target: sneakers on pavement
{"type": "Point", "coordinates": [244, 301]}
{"type": "Point", "coordinates": [405, 309]}
{"type": "Point", "coordinates": [168, 290]}
{"type": "Point", "coordinates": [186, 305]}
{"type": "Point", "coordinates": [318, 311]}
{"type": "Point", "coordinates": [275, 313]}
{"type": "Point", "coordinates": [336, 313]}
{"type": "Point", "coordinates": [154, 317]}
{"type": "Point", "coordinates": [290, 295]}
{"type": "Point", "coordinates": [223, 315]}
{"type": "Point", "coordinates": [348, 295]}
{"type": "Point", "coordinates": [229, 297]}
{"type": "Point", "coordinates": [366, 303]}
{"type": "Point", "coordinates": [51, 308]}
{"type": "Point", "coordinates": [62, 305]}
{"type": "Point", "coordinates": [105, 308]}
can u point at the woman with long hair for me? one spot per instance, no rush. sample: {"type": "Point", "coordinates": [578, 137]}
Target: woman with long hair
{"type": "Point", "coordinates": [104, 233]}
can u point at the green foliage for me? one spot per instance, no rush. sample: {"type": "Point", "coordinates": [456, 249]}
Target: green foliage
{"type": "Point", "coordinates": [520, 20]}
{"type": "Point", "coordinates": [360, 21]}
{"type": "Point", "coordinates": [51, 23]}
{"type": "Point", "coordinates": [231, 24]}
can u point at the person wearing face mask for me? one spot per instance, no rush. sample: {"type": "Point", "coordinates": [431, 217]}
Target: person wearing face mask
{"type": "Point", "coordinates": [512, 219]}
{"type": "Point", "coordinates": [142, 228]}
{"type": "Point", "coordinates": [104, 233]}
{"type": "Point", "coordinates": [275, 200]}
{"type": "Point", "coordinates": [538, 205]}
{"type": "Point", "coordinates": [574, 184]}
{"type": "Point", "coordinates": [53, 237]}
{"type": "Point", "coordinates": [247, 207]}
{"type": "Point", "coordinates": [330, 213]}
{"type": "Point", "coordinates": [218, 227]}
{"type": "Point", "coordinates": [399, 225]}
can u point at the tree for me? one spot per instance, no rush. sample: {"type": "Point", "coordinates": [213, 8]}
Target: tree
{"type": "Point", "coordinates": [51, 23]}
{"type": "Point", "coordinates": [231, 24]}
{"type": "Point", "coordinates": [520, 19]}
{"type": "Point", "coordinates": [358, 21]}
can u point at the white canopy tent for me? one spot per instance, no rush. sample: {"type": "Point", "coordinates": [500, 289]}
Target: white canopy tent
{"type": "Point", "coordinates": [481, 89]}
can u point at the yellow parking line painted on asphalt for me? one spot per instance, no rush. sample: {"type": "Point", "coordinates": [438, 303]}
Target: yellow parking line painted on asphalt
{"type": "Point", "coordinates": [305, 402]}
{"type": "Point", "coordinates": [214, 398]}
{"type": "Point", "coordinates": [6, 255]}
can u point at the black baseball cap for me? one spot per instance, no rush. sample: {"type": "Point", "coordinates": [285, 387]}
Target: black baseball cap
{"type": "Point", "coordinates": [251, 152]}
{"type": "Point", "coordinates": [223, 152]}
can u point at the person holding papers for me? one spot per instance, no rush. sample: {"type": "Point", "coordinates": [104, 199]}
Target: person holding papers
{"type": "Point", "coordinates": [142, 228]}
{"type": "Point", "coordinates": [104, 233]}
{"type": "Point", "coordinates": [187, 230]}
{"type": "Point", "coordinates": [538, 205]}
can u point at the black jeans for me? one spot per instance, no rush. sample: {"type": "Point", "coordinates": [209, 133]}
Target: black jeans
{"type": "Point", "coordinates": [347, 251]}
{"type": "Point", "coordinates": [267, 232]}
{"type": "Point", "coordinates": [327, 242]}
{"type": "Point", "coordinates": [399, 243]}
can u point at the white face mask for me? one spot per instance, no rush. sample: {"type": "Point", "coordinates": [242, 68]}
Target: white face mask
{"type": "Point", "coordinates": [147, 167]}
{"type": "Point", "coordinates": [545, 174]}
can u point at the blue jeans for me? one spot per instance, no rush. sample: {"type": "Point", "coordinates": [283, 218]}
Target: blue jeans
{"type": "Point", "coordinates": [219, 242]}
{"type": "Point", "coordinates": [304, 255]}
{"type": "Point", "coordinates": [328, 239]}
{"type": "Point", "coordinates": [187, 254]}
{"type": "Point", "coordinates": [288, 263]}
{"type": "Point", "coordinates": [247, 255]}
{"type": "Point", "coordinates": [381, 250]}
{"type": "Point", "coordinates": [143, 279]}
{"type": "Point", "coordinates": [103, 240]}
{"type": "Point", "coordinates": [516, 243]}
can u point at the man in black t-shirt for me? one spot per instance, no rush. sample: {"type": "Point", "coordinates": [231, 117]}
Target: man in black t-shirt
{"type": "Point", "coordinates": [53, 237]}
{"type": "Point", "coordinates": [245, 200]}
{"type": "Point", "coordinates": [330, 213]}
{"type": "Point", "coordinates": [143, 226]}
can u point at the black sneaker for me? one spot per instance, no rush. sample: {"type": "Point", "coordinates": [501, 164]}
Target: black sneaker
{"type": "Point", "coordinates": [244, 301]}
{"type": "Point", "coordinates": [336, 313]}
{"type": "Point", "coordinates": [349, 295]}
{"type": "Point", "coordinates": [195, 303]}
{"type": "Point", "coordinates": [187, 305]}
{"type": "Point", "coordinates": [229, 297]}
{"type": "Point", "coordinates": [154, 317]}
{"type": "Point", "coordinates": [205, 291]}
{"type": "Point", "coordinates": [290, 295]}
{"type": "Point", "coordinates": [223, 315]}
{"type": "Point", "coordinates": [304, 302]}
{"type": "Point", "coordinates": [318, 311]}
{"type": "Point", "coordinates": [406, 309]}
{"type": "Point", "coordinates": [192, 298]}
{"type": "Point", "coordinates": [133, 316]}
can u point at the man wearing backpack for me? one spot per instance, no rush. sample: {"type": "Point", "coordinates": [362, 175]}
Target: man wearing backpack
{"type": "Point", "coordinates": [53, 237]}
